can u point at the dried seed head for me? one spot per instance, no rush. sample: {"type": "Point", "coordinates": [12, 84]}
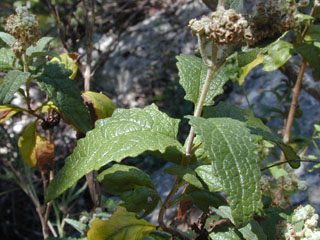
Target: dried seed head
{"type": "Point", "coordinates": [271, 18]}
{"type": "Point", "coordinates": [224, 27]}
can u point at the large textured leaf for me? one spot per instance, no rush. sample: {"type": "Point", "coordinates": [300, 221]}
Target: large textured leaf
{"type": "Point", "coordinates": [255, 125]}
{"type": "Point", "coordinates": [192, 73]}
{"type": "Point", "coordinates": [128, 133]}
{"type": "Point", "coordinates": [230, 147]}
{"type": "Point", "coordinates": [7, 58]}
{"type": "Point", "coordinates": [7, 111]}
{"type": "Point", "coordinates": [40, 48]}
{"type": "Point", "coordinates": [55, 82]}
{"type": "Point", "coordinates": [122, 225]}
{"type": "Point", "coordinates": [134, 187]}
{"type": "Point", "coordinates": [11, 83]}
{"type": "Point", "coordinates": [278, 54]}
{"type": "Point", "coordinates": [7, 38]}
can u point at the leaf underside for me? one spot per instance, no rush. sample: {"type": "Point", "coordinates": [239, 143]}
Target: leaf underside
{"type": "Point", "coordinates": [128, 133]}
{"type": "Point", "coordinates": [230, 147]}
{"type": "Point", "coordinates": [192, 73]}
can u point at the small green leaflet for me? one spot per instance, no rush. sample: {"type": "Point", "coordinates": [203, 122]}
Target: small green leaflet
{"type": "Point", "coordinates": [192, 73]}
{"type": "Point", "coordinates": [7, 38]}
{"type": "Point", "coordinates": [230, 147]}
{"type": "Point", "coordinates": [11, 83]}
{"type": "Point", "coordinates": [134, 187]}
{"type": "Point", "coordinates": [40, 48]}
{"type": "Point", "coordinates": [278, 53]}
{"type": "Point", "coordinates": [7, 59]}
{"type": "Point", "coordinates": [128, 133]}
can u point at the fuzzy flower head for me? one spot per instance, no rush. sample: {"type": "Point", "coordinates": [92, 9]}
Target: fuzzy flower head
{"type": "Point", "coordinates": [24, 27]}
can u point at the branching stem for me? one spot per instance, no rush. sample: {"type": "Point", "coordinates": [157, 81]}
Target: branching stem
{"type": "Point", "coordinates": [212, 68]}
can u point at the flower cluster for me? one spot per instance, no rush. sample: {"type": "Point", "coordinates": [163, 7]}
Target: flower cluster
{"type": "Point", "coordinates": [271, 18]}
{"type": "Point", "coordinates": [224, 27]}
{"type": "Point", "coordinates": [25, 28]}
{"type": "Point", "coordinates": [302, 215]}
{"type": "Point", "coordinates": [279, 194]}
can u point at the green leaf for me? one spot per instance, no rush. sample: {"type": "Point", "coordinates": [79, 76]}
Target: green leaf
{"type": "Point", "coordinates": [173, 154]}
{"type": "Point", "coordinates": [133, 185]}
{"type": "Point", "coordinates": [310, 52]}
{"type": "Point", "coordinates": [209, 177]}
{"type": "Point", "coordinates": [128, 133]}
{"type": "Point", "coordinates": [7, 38]}
{"type": "Point", "coordinates": [192, 73]}
{"type": "Point", "coordinates": [277, 172]}
{"type": "Point", "coordinates": [255, 125]}
{"type": "Point", "coordinates": [121, 225]}
{"type": "Point", "coordinates": [7, 58]}
{"type": "Point", "coordinates": [40, 49]}
{"type": "Point", "coordinates": [158, 235]}
{"type": "Point", "coordinates": [11, 84]}
{"type": "Point", "coordinates": [187, 174]}
{"type": "Point", "coordinates": [54, 81]}
{"type": "Point", "coordinates": [313, 33]}
{"type": "Point", "coordinates": [278, 54]}
{"type": "Point", "coordinates": [79, 226]}
{"type": "Point", "coordinates": [273, 216]}
{"type": "Point", "coordinates": [141, 199]}
{"type": "Point", "coordinates": [253, 231]}
{"type": "Point", "coordinates": [121, 178]}
{"type": "Point", "coordinates": [224, 233]}
{"type": "Point", "coordinates": [204, 199]}
{"type": "Point", "coordinates": [234, 4]}
{"type": "Point", "coordinates": [230, 147]}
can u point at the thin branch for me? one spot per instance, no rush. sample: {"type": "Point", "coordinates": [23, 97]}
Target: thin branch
{"type": "Point", "coordinates": [165, 206]}
{"type": "Point", "coordinates": [296, 92]}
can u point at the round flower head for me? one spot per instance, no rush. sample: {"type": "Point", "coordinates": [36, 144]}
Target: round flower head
{"type": "Point", "coordinates": [24, 27]}
{"type": "Point", "coordinates": [224, 27]}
